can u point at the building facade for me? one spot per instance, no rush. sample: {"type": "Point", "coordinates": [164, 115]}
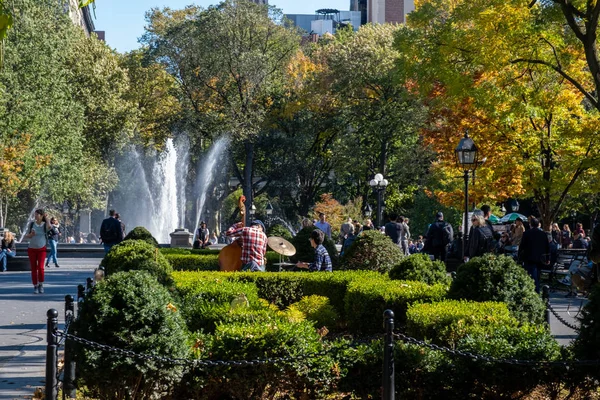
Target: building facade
{"type": "Point", "coordinates": [382, 11]}
{"type": "Point", "coordinates": [81, 16]}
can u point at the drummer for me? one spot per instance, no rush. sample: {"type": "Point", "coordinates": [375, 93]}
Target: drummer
{"type": "Point", "coordinates": [254, 244]}
{"type": "Point", "coordinates": [322, 260]}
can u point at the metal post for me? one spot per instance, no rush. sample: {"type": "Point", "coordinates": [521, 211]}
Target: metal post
{"type": "Point", "coordinates": [51, 356]}
{"type": "Point", "coordinates": [80, 293]}
{"type": "Point", "coordinates": [466, 217]}
{"type": "Point", "coordinates": [546, 297]}
{"type": "Point", "coordinates": [379, 216]}
{"type": "Point", "coordinates": [389, 386]}
{"type": "Point", "coordinates": [69, 388]}
{"type": "Point", "coordinates": [89, 284]}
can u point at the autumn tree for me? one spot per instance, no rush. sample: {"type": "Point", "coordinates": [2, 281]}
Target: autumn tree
{"type": "Point", "coordinates": [536, 131]}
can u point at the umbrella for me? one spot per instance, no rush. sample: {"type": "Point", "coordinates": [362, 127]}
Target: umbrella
{"type": "Point", "coordinates": [493, 219]}
{"type": "Point", "coordinates": [512, 217]}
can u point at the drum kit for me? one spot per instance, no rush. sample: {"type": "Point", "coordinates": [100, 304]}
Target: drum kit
{"type": "Point", "coordinates": [285, 249]}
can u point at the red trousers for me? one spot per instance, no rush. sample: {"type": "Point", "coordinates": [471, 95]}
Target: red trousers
{"type": "Point", "coordinates": [37, 257]}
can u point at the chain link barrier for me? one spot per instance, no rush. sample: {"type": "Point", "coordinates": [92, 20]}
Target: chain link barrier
{"type": "Point", "coordinates": [208, 363]}
{"type": "Point", "coordinates": [561, 319]}
{"type": "Point", "coordinates": [510, 361]}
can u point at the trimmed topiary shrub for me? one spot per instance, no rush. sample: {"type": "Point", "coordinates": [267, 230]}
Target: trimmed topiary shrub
{"type": "Point", "coordinates": [367, 300]}
{"type": "Point", "coordinates": [193, 262]}
{"type": "Point", "coordinates": [281, 231]}
{"type": "Point", "coordinates": [305, 252]}
{"type": "Point", "coordinates": [419, 267]}
{"type": "Point", "coordinates": [137, 255]}
{"type": "Point", "coordinates": [130, 311]}
{"type": "Point", "coordinates": [499, 278]}
{"type": "Point", "coordinates": [317, 309]}
{"type": "Point", "coordinates": [141, 233]}
{"type": "Point", "coordinates": [373, 251]}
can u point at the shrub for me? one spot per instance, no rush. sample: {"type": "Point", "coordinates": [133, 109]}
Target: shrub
{"type": "Point", "coordinates": [372, 251]}
{"type": "Point", "coordinates": [367, 300]}
{"type": "Point", "coordinates": [141, 233]}
{"type": "Point", "coordinates": [317, 309]}
{"type": "Point", "coordinates": [305, 252]}
{"type": "Point", "coordinates": [310, 376]}
{"type": "Point", "coordinates": [499, 278]}
{"type": "Point", "coordinates": [130, 311]}
{"type": "Point", "coordinates": [447, 321]}
{"type": "Point", "coordinates": [192, 262]}
{"type": "Point", "coordinates": [419, 267]}
{"type": "Point", "coordinates": [587, 344]}
{"type": "Point", "coordinates": [137, 255]}
{"type": "Point", "coordinates": [181, 250]}
{"type": "Point", "coordinates": [281, 231]}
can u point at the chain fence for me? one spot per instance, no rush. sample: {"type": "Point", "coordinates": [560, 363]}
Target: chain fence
{"type": "Point", "coordinates": [561, 319]}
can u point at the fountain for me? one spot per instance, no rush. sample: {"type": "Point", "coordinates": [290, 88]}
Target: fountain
{"type": "Point", "coordinates": [286, 224]}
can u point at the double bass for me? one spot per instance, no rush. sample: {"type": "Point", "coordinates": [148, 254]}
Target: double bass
{"type": "Point", "coordinates": [230, 256]}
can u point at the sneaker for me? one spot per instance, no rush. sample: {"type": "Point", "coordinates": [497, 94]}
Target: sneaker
{"type": "Point", "coordinates": [56, 265]}
{"type": "Point", "coordinates": [47, 263]}
{"type": "Point", "coordinates": [35, 290]}
{"type": "Point", "coordinates": [41, 287]}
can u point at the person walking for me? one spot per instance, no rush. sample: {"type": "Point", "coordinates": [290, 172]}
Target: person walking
{"type": "Point", "coordinates": [53, 236]}
{"type": "Point", "coordinates": [438, 236]}
{"type": "Point", "coordinates": [534, 251]}
{"type": "Point", "coordinates": [323, 225]}
{"type": "Point", "coordinates": [517, 231]}
{"type": "Point", "coordinates": [111, 231]}
{"type": "Point", "coordinates": [345, 230]}
{"type": "Point", "coordinates": [481, 238]}
{"type": "Point", "coordinates": [404, 235]}
{"type": "Point", "coordinates": [37, 248]}
{"type": "Point", "coordinates": [9, 248]}
{"type": "Point", "coordinates": [393, 229]}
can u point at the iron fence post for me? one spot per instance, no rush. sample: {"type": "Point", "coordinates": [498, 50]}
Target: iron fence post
{"type": "Point", "coordinates": [51, 356]}
{"type": "Point", "coordinates": [389, 386]}
{"type": "Point", "coordinates": [80, 293]}
{"type": "Point", "coordinates": [546, 297]}
{"type": "Point", "coordinates": [69, 388]}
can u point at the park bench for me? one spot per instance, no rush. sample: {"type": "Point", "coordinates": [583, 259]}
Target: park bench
{"type": "Point", "coordinates": [565, 258]}
{"type": "Point", "coordinates": [20, 262]}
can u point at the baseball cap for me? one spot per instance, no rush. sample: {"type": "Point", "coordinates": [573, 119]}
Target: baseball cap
{"type": "Point", "coordinates": [259, 222]}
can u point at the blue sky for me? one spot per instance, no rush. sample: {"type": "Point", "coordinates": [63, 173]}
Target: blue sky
{"type": "Point", "coordinates": [124, 21]}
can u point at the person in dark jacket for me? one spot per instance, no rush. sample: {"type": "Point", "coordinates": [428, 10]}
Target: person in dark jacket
{"type": "Point", "coordinates": [480, 238]}
{"type": "Point", "coordinates": [534, 251]}
{"type": "Point", "coordinates": [53, 236]}
{"type": "Point", "coordinates": [393, 229]}
{"type": "Point", "coordinates": [439, 235]}
{"type": "Point", "coordinates": [111, 231]}
{"type": "Point", "coordinates": [579, 242]}
{"type": "Point", "coordinates": [9, 249]}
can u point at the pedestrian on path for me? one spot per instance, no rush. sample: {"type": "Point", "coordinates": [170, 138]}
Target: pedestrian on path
{"type": "Point", "coordinates": [53, 235]}
{"type": "Point", "coordinates": [37, 248]}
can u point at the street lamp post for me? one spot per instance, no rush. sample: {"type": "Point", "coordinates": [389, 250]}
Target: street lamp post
{"type": "Point", "coordinates": [466, 157]}
{"type": "Point", "coordinates": [379, 184]}
{"type": "Point", "coordinates": [65, 210]}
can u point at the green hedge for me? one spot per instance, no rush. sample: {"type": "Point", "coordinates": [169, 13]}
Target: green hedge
{"type": "Point", "coordinates": [130, 311]}
{"type": "Point", "coordinates": [373, 251]}
{"type": "Point", "coordinates": [366, 301]}
{"type": "Point", "coordinates": [179, 250]}
{"type": "Point", "coordinates": [304, 250]}
{"type": "Point", "coordinates": [139, 255]}
{"type": "Point", "coordinates": [499, 278]}
{"type": "Point", "coordinates": [317, 309]}
{"type": "Point", "coordinates": [206, 260]}
{"type": "Point", "coordinates": [420, 268]}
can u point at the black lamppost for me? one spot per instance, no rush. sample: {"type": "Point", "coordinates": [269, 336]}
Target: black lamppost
{"type": "Point", "coordinates": [379, 184]}
{"type": "Point", "coordinates": [466, 157]}
{"type": "Point", "coordinates": [65, 211]}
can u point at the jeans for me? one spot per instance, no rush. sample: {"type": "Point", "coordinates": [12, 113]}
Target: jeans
{"type": "Point", "coordinates": [533, 271]}
{"type": "Point", "coordinates": [4, 254]}
{"type": "Point", "coordinates": [404, 247]}
{"type": "Point", "coordinates": [253, 267]}
{"type": "Point", "coordinates": [36, 261]}
{"type": "Point", "coordinates": [52, 254]}
{"type": "Point", "coordinates": [107, 248]}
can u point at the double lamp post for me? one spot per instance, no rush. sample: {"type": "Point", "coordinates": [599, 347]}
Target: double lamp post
{"type": "Point", "coordinates": [378, 183]}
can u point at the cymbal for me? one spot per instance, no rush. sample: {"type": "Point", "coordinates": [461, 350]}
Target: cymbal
{"type": "Point", "coordinates": [281, 246]}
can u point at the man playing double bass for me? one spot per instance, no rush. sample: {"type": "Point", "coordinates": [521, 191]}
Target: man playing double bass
{"type": "Point", "coordinates": [254, 244]}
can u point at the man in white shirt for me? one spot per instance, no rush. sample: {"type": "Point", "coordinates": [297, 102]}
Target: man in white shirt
{"type": "Point", "coordinates": [323, 225]}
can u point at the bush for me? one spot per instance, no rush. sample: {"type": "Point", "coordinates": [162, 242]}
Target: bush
{"type": "Point", "coordinates": [130, 311]}
{"type": "Point", "coordinates": [141, 233]}
{"type": "Point", "coordinates": [587, 344]}
{"type": "Point", "coordinates": [419, 267]}
{"type": "Point", "coordinates": [181, 250]}
{"type": "Point", "coordinates": [137, 255]}
{"type": "Point", "coordinates": [305, 252]}
{"type": "Point", "coordinates": [448, 321]}
{"type": "Point", "coordinates": [373, 251]}
{"type": "Point", "coordinates": [367, 300]}
{"type": "Point", "coordinates": [318, 310]}
{"type": "Point", "coordinates": [192, 262]}
{"type": "Point", "coordinates": [499, 278]}
{"type": "Point", "coordinates": [281, 231]}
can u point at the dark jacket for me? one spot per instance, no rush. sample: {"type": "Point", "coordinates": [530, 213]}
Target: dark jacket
{"type": "Point", "coordinates": [479, 238]}
{"type": "Point", "coordinates": [595, 245]}
{"type": "Point", "coordinates": [10, 245]}
{"type": "Point", "coordinates": [393, 230]}
{"type": "Point", "coordinates": [534, 247]}
{"type": "Point", "coordinates": [439, 235]}
{"type": "Point", "coordinates": [111, 231]}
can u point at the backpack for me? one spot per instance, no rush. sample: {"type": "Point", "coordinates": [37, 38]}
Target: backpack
{"type": "Point", "coordinates": [108, 232]}
{"type": "Point", "coordinates": [441, 234]}
{"type": "Point", "coordinates": [488, 244]}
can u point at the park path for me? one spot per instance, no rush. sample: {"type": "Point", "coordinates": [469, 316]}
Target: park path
{"type": "Point", "coordinates": [23, 322]}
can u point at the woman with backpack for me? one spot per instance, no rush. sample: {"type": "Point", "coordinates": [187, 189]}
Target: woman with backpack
{"type": "Point", "coordinates": [480, 238]}
{"type": "Point", "coordinates": [53, 234]}
{"type": "Point", "coordinates": [36, 251]}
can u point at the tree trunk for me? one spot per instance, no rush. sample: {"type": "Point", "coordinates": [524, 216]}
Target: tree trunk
{"type": "Point", "coordinates": [249, 146]}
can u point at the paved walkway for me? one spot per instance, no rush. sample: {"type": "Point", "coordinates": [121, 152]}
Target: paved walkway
{"type": "Point", "coordinates": [23, 322]}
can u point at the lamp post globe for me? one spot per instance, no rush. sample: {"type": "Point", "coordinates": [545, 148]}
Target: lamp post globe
{"type": "Point", "coordinates": [379, 183]}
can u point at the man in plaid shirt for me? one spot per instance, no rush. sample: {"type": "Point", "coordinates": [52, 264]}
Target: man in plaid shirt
{"type": "Point", "coordinates": [254, 244]}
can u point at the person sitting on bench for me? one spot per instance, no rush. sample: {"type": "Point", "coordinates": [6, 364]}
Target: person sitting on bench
{"type": "Point", "coordinates": [9, 249]}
